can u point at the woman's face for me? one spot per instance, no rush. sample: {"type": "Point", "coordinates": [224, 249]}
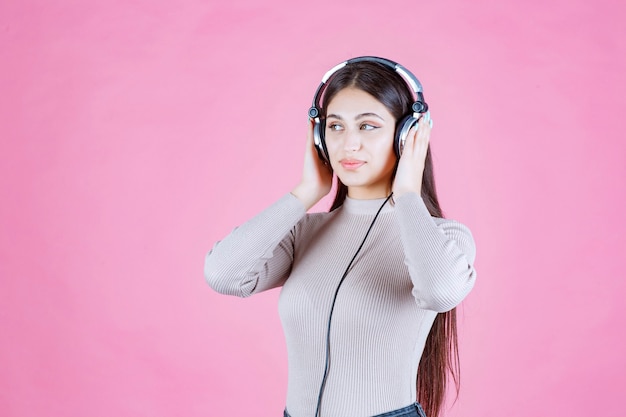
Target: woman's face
{"type": "Point", "coordinates": [359, 138]}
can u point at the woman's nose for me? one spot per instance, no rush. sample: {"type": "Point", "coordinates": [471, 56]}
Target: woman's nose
{"type": "Point", "coordinates": [353, 141]}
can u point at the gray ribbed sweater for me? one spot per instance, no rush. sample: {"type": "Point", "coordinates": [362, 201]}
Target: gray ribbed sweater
{"type": "Point", "coordinates": [411, 267]}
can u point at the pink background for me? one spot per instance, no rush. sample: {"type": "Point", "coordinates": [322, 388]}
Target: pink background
{"type": "Point", "coordinates": [135, 134]}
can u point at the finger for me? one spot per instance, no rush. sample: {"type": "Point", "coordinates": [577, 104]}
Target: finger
{"type": "Point", "coordinates": [424, 127]}
{"type": "Point", "coordinates": [417, 134]}
{"type": "Point", "coordinates": [309, 132]}
{"type": "Point", "coordinates": [417, 139]}
{"type": "Point", "coordinates": [428, 119]}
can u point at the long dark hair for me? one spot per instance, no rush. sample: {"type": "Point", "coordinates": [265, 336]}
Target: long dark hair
{"type": "Point", "coordinates": [441, 356]}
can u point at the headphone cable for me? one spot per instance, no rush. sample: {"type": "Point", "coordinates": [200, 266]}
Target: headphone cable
{"type": "Point", "coordinates": [332, 308]}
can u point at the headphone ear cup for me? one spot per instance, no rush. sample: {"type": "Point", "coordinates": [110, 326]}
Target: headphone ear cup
{"type": "Point", "coordinates": [402, 132]}
{"type": "Point", "coordinates": [420, 105]}
{"type": "Point", "coordinates": [320, 142]}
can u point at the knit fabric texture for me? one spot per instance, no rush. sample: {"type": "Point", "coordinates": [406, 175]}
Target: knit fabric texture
{"type": "Point", "coordinates": [411, 267]}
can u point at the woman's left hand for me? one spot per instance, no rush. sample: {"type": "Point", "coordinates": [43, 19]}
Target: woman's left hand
{"type": "Point", "coordinates": [411, 164]}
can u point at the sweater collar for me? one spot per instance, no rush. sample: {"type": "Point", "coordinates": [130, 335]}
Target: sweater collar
{"type": "Point", "coordinates": [354, 206]}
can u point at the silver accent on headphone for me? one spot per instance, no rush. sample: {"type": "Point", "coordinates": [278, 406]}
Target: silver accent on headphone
{"type": "Point", "coordinates": [404, 132]}
{"type": "Point", "coordinates": [316, 136]}
{"type": "Point", "coordinates": [414, 82]}
{"type": "Point", "coordinates": [333, 70]}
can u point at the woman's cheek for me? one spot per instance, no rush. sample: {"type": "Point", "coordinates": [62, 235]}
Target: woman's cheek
{"type": "Point", "coordinates": [333, 150]}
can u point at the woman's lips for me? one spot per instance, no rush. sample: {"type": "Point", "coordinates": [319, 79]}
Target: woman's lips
{"type": "Point", "coordinates": [351, 164]}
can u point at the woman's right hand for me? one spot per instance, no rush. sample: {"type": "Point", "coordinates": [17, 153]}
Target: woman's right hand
{"type": "Point", "coordinates": [317, 178]}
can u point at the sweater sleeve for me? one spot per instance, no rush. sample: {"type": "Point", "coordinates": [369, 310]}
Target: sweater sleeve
{"type": "Point", "coordinates": [257, 255]}
{"type": "Point", "coordinates": [439, 254]}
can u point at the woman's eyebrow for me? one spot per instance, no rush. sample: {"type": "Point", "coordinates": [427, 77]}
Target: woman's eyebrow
{"type": "Point", "coordinates": [362, 115]}
{"type": "Point", "coordinates": [359, 116]}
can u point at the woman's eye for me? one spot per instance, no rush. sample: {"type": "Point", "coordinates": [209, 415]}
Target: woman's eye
{"type": "Point", "coordinates": [334, 126]}
{"type": "Point", "coordinates": [366, 126]}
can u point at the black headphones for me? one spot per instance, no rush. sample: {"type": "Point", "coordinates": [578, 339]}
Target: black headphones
{"type": "Point", "coordinates": [418, 107]}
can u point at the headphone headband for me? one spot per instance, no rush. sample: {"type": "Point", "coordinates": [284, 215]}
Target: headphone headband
{"type": "Point", "coordinates": [407, 76]}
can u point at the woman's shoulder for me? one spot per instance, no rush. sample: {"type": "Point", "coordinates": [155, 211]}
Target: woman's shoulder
{"type": "Point", "coordinates": [458, 232]}
{"type": "Point", "coordinates": [317, 217]}
{"type": "Point", "coordinates": [445, 222]}
{"type": "Point", "coordinates": [315, 221]}
{"type": "Point", "coordinates": [453, 227]}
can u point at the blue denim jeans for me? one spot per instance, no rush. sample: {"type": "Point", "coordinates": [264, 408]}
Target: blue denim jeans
{"type": "Point", "coordinates": [413, 410]}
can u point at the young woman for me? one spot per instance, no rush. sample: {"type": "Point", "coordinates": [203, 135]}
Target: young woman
{"type": "Point", "coordinates": [369, 289]}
